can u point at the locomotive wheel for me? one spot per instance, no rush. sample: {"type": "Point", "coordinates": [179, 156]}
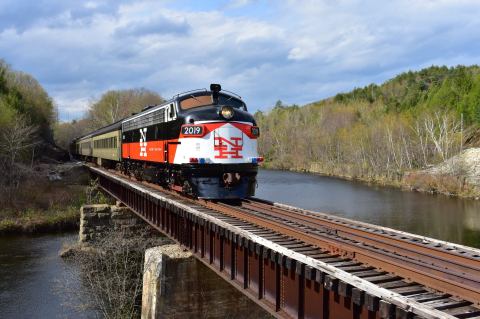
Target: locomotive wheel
{"type": "Point", "coordinates": [138, 174]}
{"type": "Point", "coordinates": [188, 189]}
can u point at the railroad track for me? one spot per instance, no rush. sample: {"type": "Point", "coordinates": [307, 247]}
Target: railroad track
{"type": "Point", "coordinates": [440, 275]}
{"type": "Point", "coordinates": [404, 263]}
{"type": "Point", "coordinates": [457, 264]}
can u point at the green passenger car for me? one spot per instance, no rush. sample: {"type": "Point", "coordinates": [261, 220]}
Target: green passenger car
{"type": "Point", "coordinates": [84, 146]}
{"type": "Point", "coordinates": [107, 146]}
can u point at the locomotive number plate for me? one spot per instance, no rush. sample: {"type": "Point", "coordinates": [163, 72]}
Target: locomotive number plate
{"type": "Point", "coordinates": [192, 130]}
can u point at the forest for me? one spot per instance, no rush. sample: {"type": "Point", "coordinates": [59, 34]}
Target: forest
{"type": "Point", "coordinates": [378, 132]}
{"type": "Point", "coordinates": [27, 115]}
{"type": "Point", "coordinates": [39, 189]}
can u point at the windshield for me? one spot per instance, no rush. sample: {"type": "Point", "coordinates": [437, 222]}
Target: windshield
{"type": "Point", "coordinates": [194, 100]}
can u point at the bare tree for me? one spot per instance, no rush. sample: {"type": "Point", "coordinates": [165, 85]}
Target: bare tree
{"type": "Point", "coordinates": [441, 130]}
{"type": "Point", "coordinates": [17, 138]}
{"type": "Point", "coordinates": [117, 104]}
{"type": "Point", "coordinates": [65, 132]}
{"type": "Point", "coordinates": [422, 139]}
{"type": "Point", "coordinates": [16, 142]}
{"type": "Point", "coordinates": [112, 271]}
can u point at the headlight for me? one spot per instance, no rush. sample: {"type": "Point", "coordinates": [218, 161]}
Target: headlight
{"type": "Point", "coordinates": [227, 112]}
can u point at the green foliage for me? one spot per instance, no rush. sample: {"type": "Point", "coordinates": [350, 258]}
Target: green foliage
{"type": "Point", "coordinates": [36, 221]}
{"type": "Point", "coordinates": [7, 113]}
{"type": "Point", "coordinates": [434, 88]}
{"type": "Point", "coordinates": [21, 94]}
{"type": "Point", "coordinates": [470, 105]}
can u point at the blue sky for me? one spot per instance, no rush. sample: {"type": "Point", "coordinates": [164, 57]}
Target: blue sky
{"type": "Point", "coordinates": [296, 51]}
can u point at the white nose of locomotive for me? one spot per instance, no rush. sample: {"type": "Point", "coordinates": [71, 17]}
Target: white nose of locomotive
{"type": "Point", "coordinates": [220, 143]}
{"type": "Point", "coordinates": [228, 144]}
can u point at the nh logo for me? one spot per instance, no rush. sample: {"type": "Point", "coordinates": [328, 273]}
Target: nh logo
{"type": "Point", "coordinates": [228, 148]}
{"type": "Point", "coordinates": [143, 142]}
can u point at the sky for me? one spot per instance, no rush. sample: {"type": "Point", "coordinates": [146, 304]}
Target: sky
{"type": "Point", "coordinates": [294, 51]}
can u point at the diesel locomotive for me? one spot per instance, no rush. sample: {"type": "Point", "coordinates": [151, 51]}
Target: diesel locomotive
{"type": "Point", "coordinates": [202, 143]}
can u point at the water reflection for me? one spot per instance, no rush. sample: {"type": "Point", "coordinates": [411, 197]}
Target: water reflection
{"type": "Point", "coordinates": [450, 219]}
{"type": "Point", "coordinates": [194, 291]}
{"type": "Point", "coordinates": [30, 273]}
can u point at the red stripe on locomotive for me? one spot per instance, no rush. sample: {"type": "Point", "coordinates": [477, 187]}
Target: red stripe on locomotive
{"type": "Point", "coordinates": [210, 127]}
{"type": "Point", "coordinates": [152, 151]}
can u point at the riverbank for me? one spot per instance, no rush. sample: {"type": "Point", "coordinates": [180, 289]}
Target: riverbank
{"type": "Point", "coordinates": [49, 201]}
{"type": "Point", "coordinates": [458, 176]}
{"type": "Point", "coordinates": [415, 181]}
{"type": "Point", "coordinates": [37, 221]}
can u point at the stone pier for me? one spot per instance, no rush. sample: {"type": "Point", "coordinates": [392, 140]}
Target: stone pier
{"type": "Point", "coordinates": [96, 220]}
{"type": "Point", "coordinates": [99, 219]}
{"type": "Point", "coordinates": [157, 260]}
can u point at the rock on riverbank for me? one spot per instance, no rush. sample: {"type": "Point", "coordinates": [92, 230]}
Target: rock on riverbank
{"type": "Point", "coordinates": [466, 164]}
{"type": "Point", "coordinates": [458, 175]}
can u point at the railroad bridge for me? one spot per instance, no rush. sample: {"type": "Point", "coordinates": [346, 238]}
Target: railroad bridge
{"type": "Point", "coordinates": [301, 264]}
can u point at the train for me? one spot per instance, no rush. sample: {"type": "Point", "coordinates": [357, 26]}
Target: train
{"type": "Point", "coordinates": [202, 143]}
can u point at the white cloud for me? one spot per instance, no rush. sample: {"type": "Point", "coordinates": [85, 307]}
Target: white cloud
{"type": "Point", "coordinates": [239, 3]}
{"type": "Point", "coordinates": [91, 5]}
{"type": "Point", "coordinates": [297, 51]}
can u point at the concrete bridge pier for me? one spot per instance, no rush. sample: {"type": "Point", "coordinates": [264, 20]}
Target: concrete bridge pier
{"type": "Point", "coordinates": [154, 279]}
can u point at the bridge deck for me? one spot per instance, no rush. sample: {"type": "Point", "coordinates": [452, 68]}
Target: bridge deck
{"type": "Point", "coordinates": [300, 264]}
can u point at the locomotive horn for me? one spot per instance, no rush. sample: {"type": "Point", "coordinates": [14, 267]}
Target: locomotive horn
{"type": "Point", "coordinates": [215, 87]}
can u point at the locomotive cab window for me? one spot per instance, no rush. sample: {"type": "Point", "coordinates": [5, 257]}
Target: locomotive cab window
{"type": "Point", "coordinates": [231, 101]}
{"type": "Point", "coordinates": [194, 101]}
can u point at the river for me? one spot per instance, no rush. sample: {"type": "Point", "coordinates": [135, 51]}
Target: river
{"type": "Point", "coordinates": [36, 283]}
{"type": "Point", "coordinates": [438, 216]}
{"type": "Point", "coordinates": [34, 280]}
